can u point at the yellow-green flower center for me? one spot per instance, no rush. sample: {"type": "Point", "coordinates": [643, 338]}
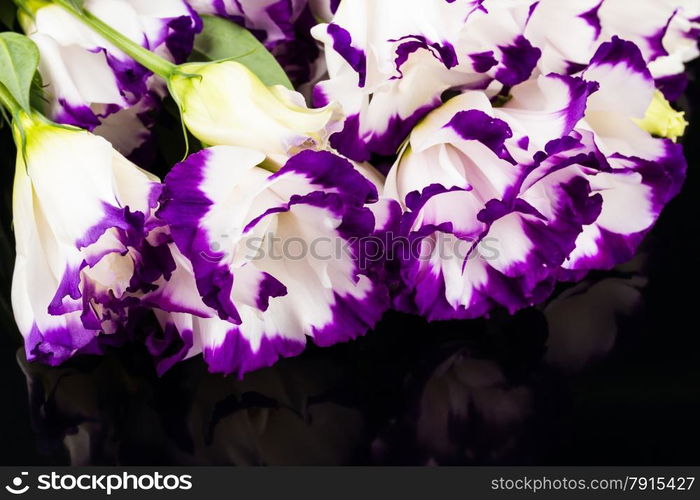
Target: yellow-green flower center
{"type": "Point", "coordinates": [662, 120]}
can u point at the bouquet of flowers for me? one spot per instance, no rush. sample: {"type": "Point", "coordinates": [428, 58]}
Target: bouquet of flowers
{"type": "Point", "coordinates": [236, 178]}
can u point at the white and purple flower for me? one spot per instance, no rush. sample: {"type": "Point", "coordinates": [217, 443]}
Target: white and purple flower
{"type": "Point", "coordinates": [666, 31]}
{"type": "Point", "coordinates": [502, 202]}
{"type": "Point", "coordinates": [81, 214]}
{"type": "Point", "coordinates": [91, 83]}
{"type": "Point", "coordinates": [645, 172]}
{"type": "Point", "coordinates": [483, 230]}
{"type": "Point", "coordinates": [275, 256]}
{"type": "Point", "coordinates": [389, 62]}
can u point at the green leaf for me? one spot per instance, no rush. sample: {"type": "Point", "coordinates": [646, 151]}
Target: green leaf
{"type": "Point", "coordinates": [19, 59]}
{"type": "Point", "coordinates": [222, 39]}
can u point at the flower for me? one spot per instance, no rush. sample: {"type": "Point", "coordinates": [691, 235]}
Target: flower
{"type": "Point", "coordinates": [557, 181]}
{"type": "Point", "coordinates": [81, 212]}
{"type": "Point", "coordinates": [484, 230]}
{"type": "Point", "coordinates": [224, 103]}
{"type": "Point", "coordinates": [666, 32]}
{"type": "Point", "coordinates": [644, 173]}
{"type": "Point", "coordinates": [92, 84]}
{"type": "Point", "coordinates": [275, 256]}
{"type": "Point", "coordinates": [389, 62]}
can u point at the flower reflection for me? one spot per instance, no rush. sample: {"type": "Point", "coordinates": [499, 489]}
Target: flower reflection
{"type": "Point", "coordinates": [460, 392]}
{"type": "Point", "coordinates": [469, 412]}
{"type": "Point", "coordinates": [113, 412]}
{"type": "Point", "coordinates": [584, 320]}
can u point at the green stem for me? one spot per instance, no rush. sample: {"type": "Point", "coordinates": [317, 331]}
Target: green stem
{"type": "Point", "coordinates": [9, 102]}
{"type": "Point", "coordinates": [16, 114]}
{"type": "Point", "coordinates": [153, 62]}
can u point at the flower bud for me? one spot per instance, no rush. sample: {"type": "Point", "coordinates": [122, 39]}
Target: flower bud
{"type": "Point", "coordinates": [224, 103]}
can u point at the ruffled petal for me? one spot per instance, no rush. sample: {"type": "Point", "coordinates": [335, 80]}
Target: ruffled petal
{"type": "Point", "coordinates": [544, 110]}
